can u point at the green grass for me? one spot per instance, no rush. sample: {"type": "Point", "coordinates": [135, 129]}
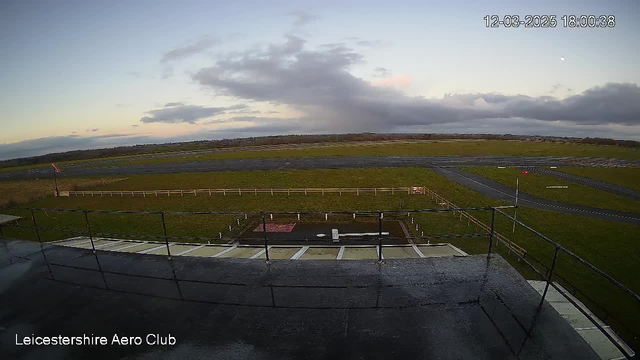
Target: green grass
{"type": "Point", "coordinates": [430, 148]}
{"type": "Point", "coordinates": [535, 184]}
{"type": "Point", "coordinates": [613, 247]}
{"type": "Point", "coordinates": [629, 177]}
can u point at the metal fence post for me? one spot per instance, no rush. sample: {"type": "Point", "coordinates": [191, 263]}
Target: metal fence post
{"type": "Point", "coordinates": [166, 238]}
{"type": "Point", "coordinates": [379, 236]}
{"type": "Point", "coordinates": [493, 219]}
{"type": "Point", "coordinates": [549, 277]}
{"type": "Point", "coordinates": [33, 217]}
{"type": "Point", "coordinates": [86, 218]}
{"type": "Point", "coordinates": [264, 229]}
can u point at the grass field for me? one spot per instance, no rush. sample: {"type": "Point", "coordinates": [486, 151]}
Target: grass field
{"type": "Point", "coordinates": [611, 246]}
{"type": "Point", "coordinates": [18, 192]}
{"type": "Point", "coordinates": [431, 148]}
{"type": "Point", "coordinates": [535, 184]}
{"type": "Point", "coordinates": [629, 177]}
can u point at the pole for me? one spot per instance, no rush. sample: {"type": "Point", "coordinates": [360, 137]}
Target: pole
{"type": "Point", "coordinates": [86, 218]}
{"type": "Point", "coordinates": [166, 238]}
{"type": "Point", "coordinates": [55, 179]}
{"type": "Point", "coordinates": [380, 236]}
{"type": "Point", "coordinates": [515, 211]}
{"type": "Point", "coordinates": [549, 277]}
{"type": "Point", "coordinates": [33, 217]}
{"type": "Point", "coordinates": [493, 219]}
{"type": "Point", "coordinates": [264, 229]}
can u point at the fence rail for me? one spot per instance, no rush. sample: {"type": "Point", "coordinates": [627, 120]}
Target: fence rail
{"type": "Point", "coordinates": [413, 190]}
{"type": "Point", "coordinates": [472, 219]}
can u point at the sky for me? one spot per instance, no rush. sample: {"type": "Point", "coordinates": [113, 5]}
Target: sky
{"type": "Point", "coordinates": [90, 74]}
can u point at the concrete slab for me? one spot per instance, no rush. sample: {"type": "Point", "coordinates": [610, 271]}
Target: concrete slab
{"type": "Point", "coordinates": [437, 251]}
{"type": "Point", "coordinates": [175, 249]}
{"type": "Point", "coordinates": [585, 327]}
{"type": "Point", "coordinates": [4, 218]}
{"type": "Point", "coordinates": [405, 252]}
{"type": "Point", "coordinates": [141, 247]}
{"type": "Point", "coordinates": [429, 308]}
{"type": "Point", "coordinates": [241, 252]}
{"type": "Point", "coordinates": [95, 243]}
{"type": "Point", "coordinates": [207, 251]}
{"type": "Point", "coordinates": [360, 253]}
{"type": "Point", "coordinates": [279, 253]}
{"type": "Point", "coordinates": [327, 253]}
{"type": "Point", "coordinates": [116, 245]}
{"type": "Point", "coordinates": [601, 344]}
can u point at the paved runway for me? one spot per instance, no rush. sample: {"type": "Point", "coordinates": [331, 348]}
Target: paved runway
{"type": "Point", "coordinates": [597, 184]}
{"type": "Point", "coordinates": [502, 192]}
{"type": "Point", "coordinates": [473, 307]}
{"type": "Point", "coordinates": [335, 162]}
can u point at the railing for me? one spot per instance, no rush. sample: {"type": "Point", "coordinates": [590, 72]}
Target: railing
{"type": "Point", "coordinates": [471, 219]}
{"type": "Point", "coordinates": [248, 191]}
{"type": "Point", "coordinates": [548, 276]}
{"type": "Point", "coordinates": [379, 214]}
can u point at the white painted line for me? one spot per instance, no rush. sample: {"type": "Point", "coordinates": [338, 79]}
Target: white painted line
{"type": "Point", "coordinates": [458, 250]}
{"type": "Point", "coordinates": [190, 250]}
{"type": "Point", "coordinates": [300, 252]}
{"type": "Point", "coordinates": [75, 244]}
{"type": "Point", "coordinates": [340, 253]}
{"type": "Point", "coordinates": [111, 243]}
{"type": "Point", "coordinates": [259, 253]}
{"type": "Point", "coordinates": [153, 249]}
{"type": "Point", "coordinates": [65, 240]}
{"type": "Point", "coordinates": [418, 251]}
{"type": "Point", "coordinates": [128, 246]}
{"type": "Point", "coordinates": [591, 327]}
{"type": "Point", "coordinates": [224, 251]}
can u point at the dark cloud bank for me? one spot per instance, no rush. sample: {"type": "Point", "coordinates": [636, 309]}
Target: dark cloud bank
{"type": "Point", "coordinates": [318, 84]}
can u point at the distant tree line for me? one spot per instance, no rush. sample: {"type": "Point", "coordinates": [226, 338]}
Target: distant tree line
{"type": "Point", "coordinates": [288, 139]}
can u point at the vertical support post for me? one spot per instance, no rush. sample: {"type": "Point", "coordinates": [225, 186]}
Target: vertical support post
{"type": "Point", "coordinates": [86, 218]}
{"type": "Point", "coordinates": [33, 218]}
{"type": "Point", "coordinates": [380, 236]}
{"type": "Point", "coordinates": [55, 179]}
{"type": "Point", "coordinates": [266, 245]}
{"type": "Point", "coordinates": [493, 219]}
{"type": "Point", "coordinates": [550, 276]}
{"type": "Point", "coordinates": [1, 233]}
{"type": "Point", "coordinates": [166, 238]}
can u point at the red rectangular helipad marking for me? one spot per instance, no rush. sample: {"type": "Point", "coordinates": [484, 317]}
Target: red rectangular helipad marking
{"type": "Point", "coordinates": [276, 228]}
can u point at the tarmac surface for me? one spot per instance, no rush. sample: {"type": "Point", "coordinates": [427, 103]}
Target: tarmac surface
{"type": "Point", "coordinates": [335, 162]}
{"type": "Point", "coordinates": [473, 307]}
{"type": "Point", "coordinates": [596, 184]}
{"type": "Point", "coordinates": [499, 191]}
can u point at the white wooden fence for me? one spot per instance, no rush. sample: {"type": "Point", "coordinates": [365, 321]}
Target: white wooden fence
{"type": "Point", "coordinates": [471, 219]}
{"type": "Point", "coordinates": [415, 190]}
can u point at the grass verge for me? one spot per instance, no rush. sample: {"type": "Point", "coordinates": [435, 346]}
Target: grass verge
{"type": "Point", "coordinates": [535, 184]}
{"type": "Point", "coordinates": [629, 177]}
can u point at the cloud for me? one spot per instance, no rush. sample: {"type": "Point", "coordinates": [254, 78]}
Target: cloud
{"type": "Point", "coordinates": [135, 125]}
{"type": "Point", "coordinates": [318, 83]}
{"type": "Point", "coordinates": [302, 17]}
{"type": "Point", "coordinates": [172, 104]}
{"type": "Point", "coordinates": [401, 81]}
{"type": "Point", "coordinates": [92, 130]}
{"type": "Point", "coordinates": [381, 72]}
{"type": "Point", "coordinates": [189, 49]}
{"type": "Point", "coordinates": [41, 146]}
{"type": "Point", "coordinates": [186, 113]}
